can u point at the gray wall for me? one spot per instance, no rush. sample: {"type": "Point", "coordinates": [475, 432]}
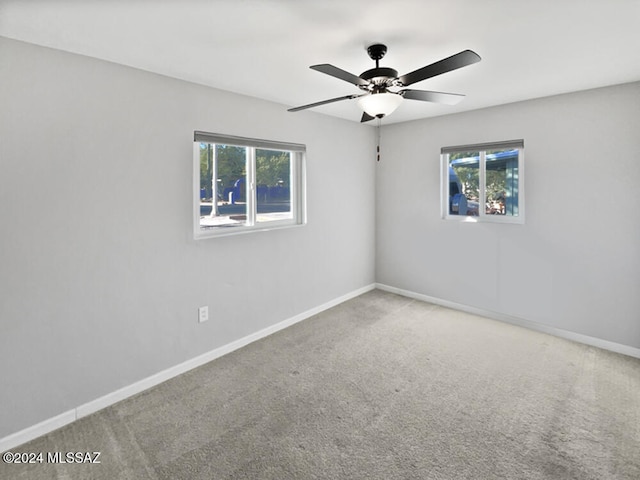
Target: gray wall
{"type": "Point", "coordinates": [100, 277]}
{"type": "Point", "coordinates": [574, 264]}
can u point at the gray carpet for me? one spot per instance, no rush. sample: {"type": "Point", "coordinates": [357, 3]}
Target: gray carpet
{"type": "Point", "coordinates": [379, 387]}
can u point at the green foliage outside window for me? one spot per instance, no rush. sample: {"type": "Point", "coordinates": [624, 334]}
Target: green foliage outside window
{"type": "Point", "coordinates": [468, 175]}
{"type": "Point", "coordinates": [273, 168]}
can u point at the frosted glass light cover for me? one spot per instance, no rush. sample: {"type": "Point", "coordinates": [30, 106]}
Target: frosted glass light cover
{"type": "Point", "coordinates": [380, 103]}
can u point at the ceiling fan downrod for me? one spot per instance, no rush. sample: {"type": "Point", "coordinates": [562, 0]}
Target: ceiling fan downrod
{"type": "Point", "coordinates": [376, 52]}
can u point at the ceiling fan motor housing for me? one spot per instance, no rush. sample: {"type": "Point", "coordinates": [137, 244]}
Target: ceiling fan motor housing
{"type": "Point", "coordinates": [379, 78]}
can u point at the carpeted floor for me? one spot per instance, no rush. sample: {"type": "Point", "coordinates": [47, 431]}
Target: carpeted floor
{"type": "Point", "coordinates": [379, 387]}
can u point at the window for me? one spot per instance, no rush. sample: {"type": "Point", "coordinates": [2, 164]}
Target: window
{"type": "Point", "coordinates": [484, 182]}
{"type": "Point", "coordinates": [244, 184]}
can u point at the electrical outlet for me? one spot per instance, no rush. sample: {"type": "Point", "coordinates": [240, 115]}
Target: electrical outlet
{"type": "Point", "coordinates": [203, 314]}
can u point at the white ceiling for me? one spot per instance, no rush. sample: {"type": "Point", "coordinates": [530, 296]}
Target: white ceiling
{"type": "Point", "coordinates": [263, 48]}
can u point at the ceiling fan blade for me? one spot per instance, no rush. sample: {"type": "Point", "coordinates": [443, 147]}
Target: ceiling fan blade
{"type": "Point", "coordinates": [436, 97]}
{"type": "Point", "coordinates": [324, 102]}
{"type": "Point", "coordinates": [459, 60]}
{"type": "Point", "coordinates": [339, 73]}
{"type": "Point", "coordinates": [366, 117]}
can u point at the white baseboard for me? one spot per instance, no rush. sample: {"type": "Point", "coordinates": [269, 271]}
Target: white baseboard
{"type": "Point", "coordinates": [29, 433]}
{"type": "Point", "coordinates": [51, 424]}
{"type": "Point", "coordinates": [521, 322]}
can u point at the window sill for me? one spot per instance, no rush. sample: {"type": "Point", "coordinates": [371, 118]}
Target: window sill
{"type": "Point", "coordinates": [215, 232]}
{"type": "Point", "coordinates": [519, 220]}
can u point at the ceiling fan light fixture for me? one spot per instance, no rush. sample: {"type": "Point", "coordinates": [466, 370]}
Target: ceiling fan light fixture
{"type": "Point", "coordinates": [378, 101]}
{"type": "Point", "coordinates": [380, 104]}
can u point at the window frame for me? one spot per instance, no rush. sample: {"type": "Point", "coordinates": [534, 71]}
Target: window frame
{"type": "Point", "coordinates": [482, 148]}
{"type": "Point", "coordinates": [297, 184]}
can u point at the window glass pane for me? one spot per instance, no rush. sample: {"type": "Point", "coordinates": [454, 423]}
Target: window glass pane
{"type": "Point", "coordinates": [273, 185]}
{"type": "Point", "coordinates": [223, 185]}
{"type": "Point", "coordinates": [464, 183]}
{"type": "Point", "coordinates": [501, 180]}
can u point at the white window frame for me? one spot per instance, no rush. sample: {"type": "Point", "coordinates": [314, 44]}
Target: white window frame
{"type": "Point", "coordinates": [297, 184]}
{"type": "Point", "coordinates": [482, 216]}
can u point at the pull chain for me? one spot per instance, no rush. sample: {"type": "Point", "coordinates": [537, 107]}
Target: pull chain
{"type": "Point", "coordinates": [378, 140]}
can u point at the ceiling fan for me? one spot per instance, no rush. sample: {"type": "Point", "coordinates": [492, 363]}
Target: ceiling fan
{"type": "Point", "coordinates": [383, 88]}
